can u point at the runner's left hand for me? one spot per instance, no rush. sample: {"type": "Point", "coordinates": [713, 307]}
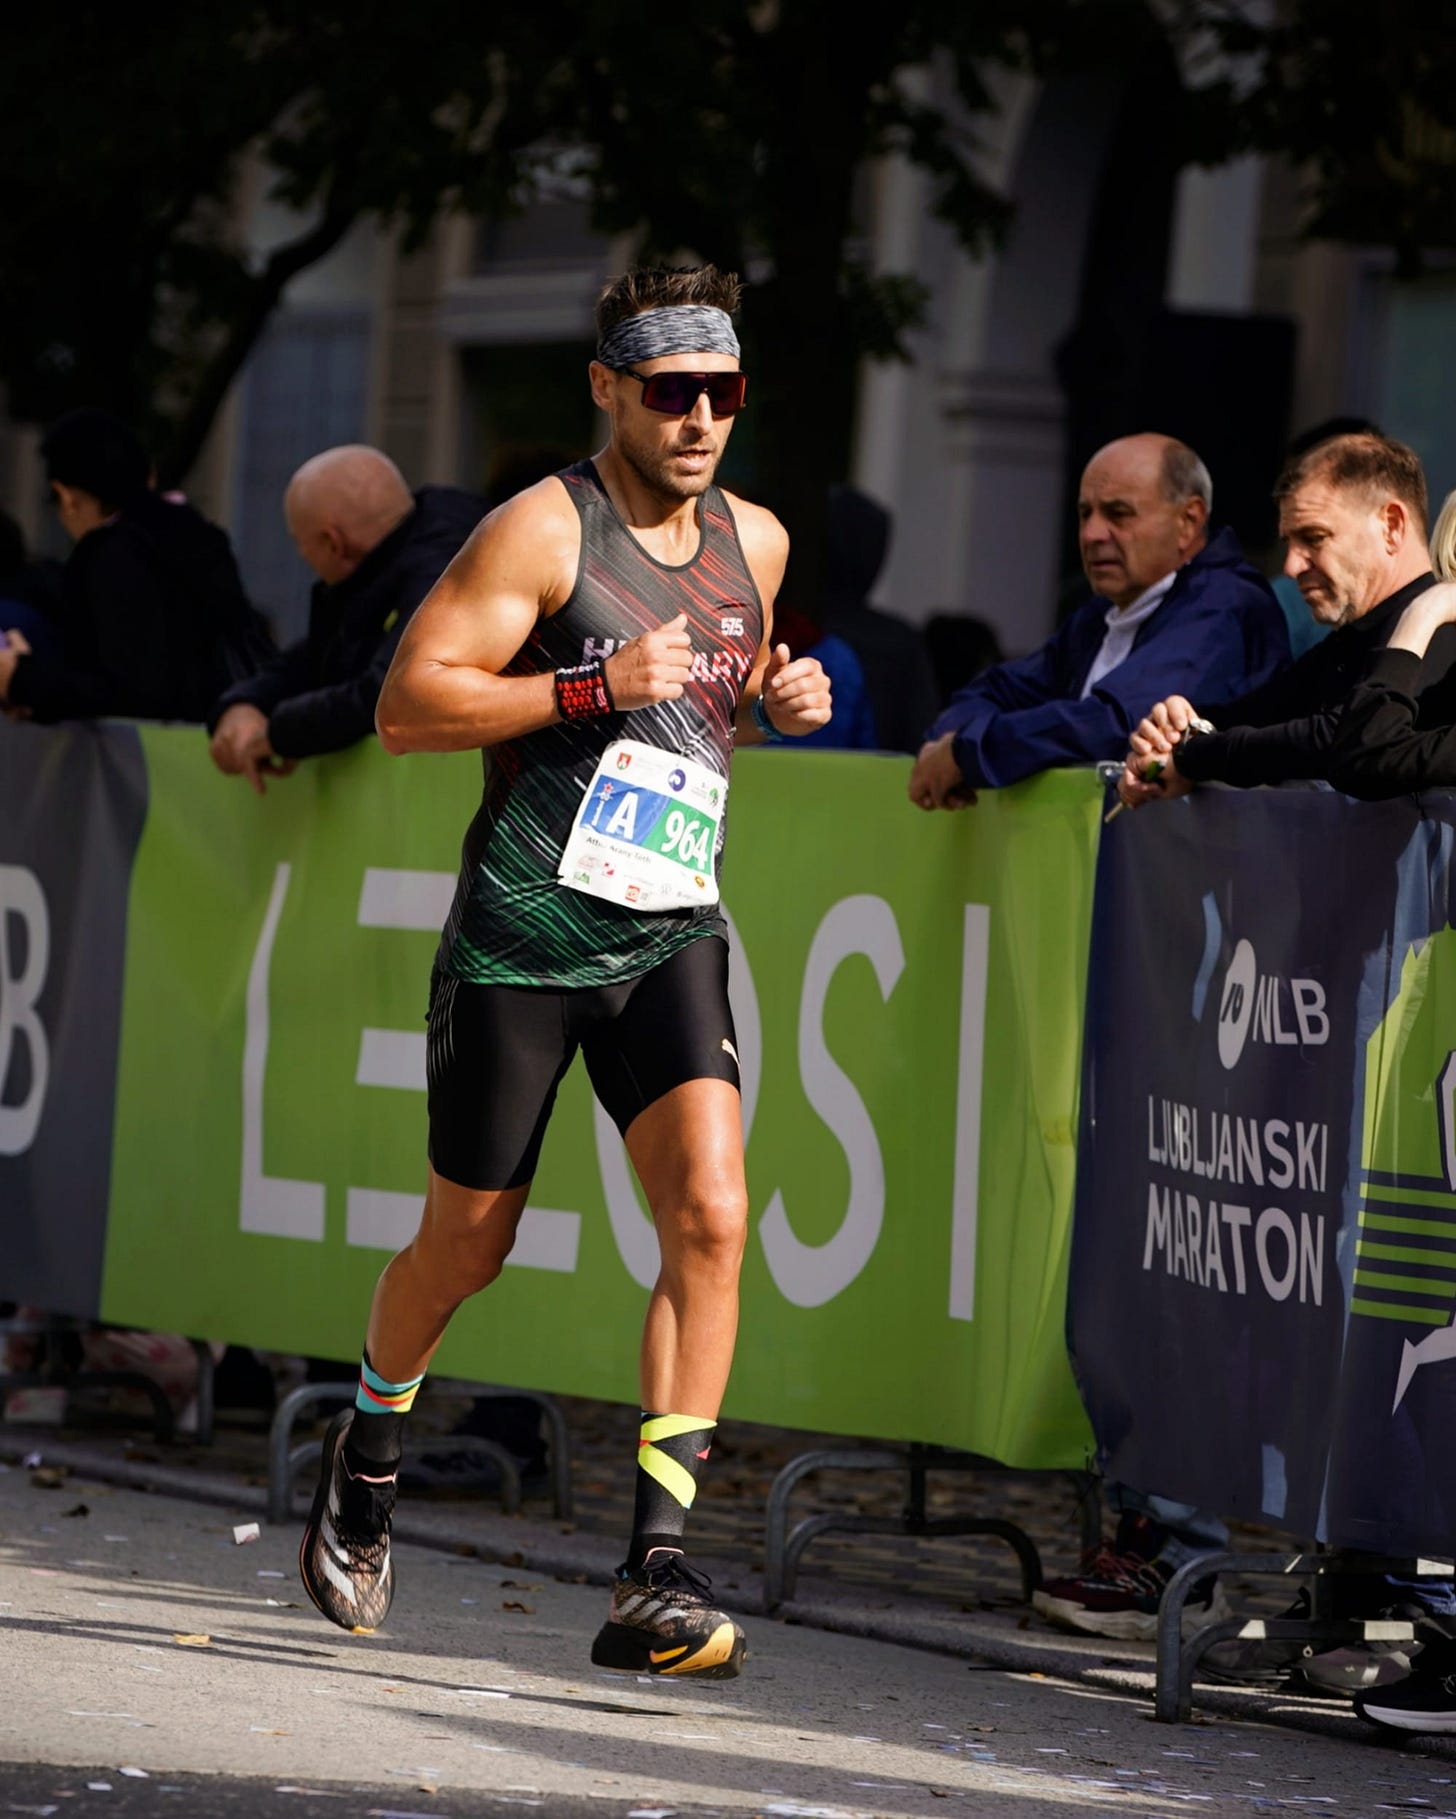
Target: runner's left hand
{"type": "Point", "coordinates": [795, 693]}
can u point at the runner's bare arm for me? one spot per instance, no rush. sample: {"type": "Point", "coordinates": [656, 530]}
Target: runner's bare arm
{"type": "Point", "coordinates": [795, 691]}
{"type": "Point", "coordinates": [445, 692]}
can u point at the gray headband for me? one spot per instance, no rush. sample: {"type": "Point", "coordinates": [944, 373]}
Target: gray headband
{"type": "Point", "coordinates": [682, 328]}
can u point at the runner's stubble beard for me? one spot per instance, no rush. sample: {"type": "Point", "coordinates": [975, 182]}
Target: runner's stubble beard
{"type": "Point", "coordinates": [651, 466]}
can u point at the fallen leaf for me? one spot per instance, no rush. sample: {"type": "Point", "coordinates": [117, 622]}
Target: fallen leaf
{"type": "Point", "coordinates": [518, 1585]}
{"type": "Point", "coordinates": [49, 1477]}
{"type": "Point", "coordinates": [193, 1641]}
{"type": "Point", "coordinates": [80, 1510]}
{"type": "Point", "coordinates": [510, 1604]}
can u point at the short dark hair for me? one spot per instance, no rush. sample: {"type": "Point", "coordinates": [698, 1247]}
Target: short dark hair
{"type": "Point", "coordinates": [665, 287]}
{"type": "Point", "coordinates": [98, 454]}
{"type": "Point", "coordinates": [1377, 466]}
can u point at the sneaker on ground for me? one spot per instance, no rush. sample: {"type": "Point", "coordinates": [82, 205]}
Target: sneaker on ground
{"type": "Point", "coordinates": [1257, 1660]}
{"type": "Point", "coordinates": [1424, 1701]}
{"type": "Point", "coordinates": [1301, 1665]}
{"type": "Point", "coordinates": [344, 1557]}
{"type": "Point", "coordinates": [1118, 1587]}
{"type": "Point", "coordinates": [1362, 1667]}
{"type": "Point", "coordinates": [663, 1621]}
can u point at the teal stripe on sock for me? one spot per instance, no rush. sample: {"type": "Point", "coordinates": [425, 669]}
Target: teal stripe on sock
{"type": "Point", "coordinates": [382, 1386]}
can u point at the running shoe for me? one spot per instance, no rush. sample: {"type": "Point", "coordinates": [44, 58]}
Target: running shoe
{"type": "Point", "coordinates": [344, 1558]}
{"type": "Point", "coordinates": [663, 1621]}
{"type": "Point", "coordinates": [1119, 1586]}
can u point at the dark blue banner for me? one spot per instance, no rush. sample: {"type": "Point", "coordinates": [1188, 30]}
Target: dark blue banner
{"type": "Point", "coordinates": [1266, 1195]}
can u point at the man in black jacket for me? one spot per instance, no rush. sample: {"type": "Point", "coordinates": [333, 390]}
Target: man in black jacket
{"type": "Point", "coordinates": [377, 550]}
{"type": "Point", "coordinates": [1352, 511]}
{"type": "Point", "coordinates": [152, 619]}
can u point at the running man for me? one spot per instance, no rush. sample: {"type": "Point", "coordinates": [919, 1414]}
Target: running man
{"type": "Point", "coordinates": [604, 637]}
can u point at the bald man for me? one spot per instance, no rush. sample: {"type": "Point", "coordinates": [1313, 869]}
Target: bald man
{"type": "Point", "coordinates": [377, 550]}
{"type": "Point", "coordinates": [1168, 600]}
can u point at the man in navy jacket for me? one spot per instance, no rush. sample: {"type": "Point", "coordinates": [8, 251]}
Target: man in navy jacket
{"type": "Point", "coordinates": [377, 550]}
{"type": "Point", "coordinates": [1169, 601]}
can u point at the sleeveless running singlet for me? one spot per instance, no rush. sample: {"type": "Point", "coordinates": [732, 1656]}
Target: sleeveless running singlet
{"type": "Point", "coordinates": [512, 923]}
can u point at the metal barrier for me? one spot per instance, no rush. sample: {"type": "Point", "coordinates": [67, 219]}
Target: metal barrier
{"type": "Point", "coordinates": [1178, 1656]}
{"type": "Point", "coordinates": [784, 1550]}
{"type": "Point", "coordinates": [286, 1461]}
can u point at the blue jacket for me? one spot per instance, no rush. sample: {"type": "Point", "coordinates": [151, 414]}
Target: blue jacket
{"type": "Point", "coordinates": [1218, 634]}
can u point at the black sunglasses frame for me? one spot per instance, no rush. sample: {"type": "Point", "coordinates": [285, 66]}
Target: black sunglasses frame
{"type": "Point", "coordinates": [703, 383]}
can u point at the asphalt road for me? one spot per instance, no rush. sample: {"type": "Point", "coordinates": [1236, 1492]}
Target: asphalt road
{"type": "Point", "coordinates": [135, 1635]}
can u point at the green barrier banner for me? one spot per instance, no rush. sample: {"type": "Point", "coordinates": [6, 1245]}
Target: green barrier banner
{"type": "Point", "coordinates": [907, 991]}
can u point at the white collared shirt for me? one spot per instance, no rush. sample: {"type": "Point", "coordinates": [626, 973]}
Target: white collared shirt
{"type": "Point", "coordinates": [1122, 628]}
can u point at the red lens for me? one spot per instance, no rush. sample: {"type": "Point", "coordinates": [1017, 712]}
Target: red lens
{"type": "Point", "coordinates": [677, 394]}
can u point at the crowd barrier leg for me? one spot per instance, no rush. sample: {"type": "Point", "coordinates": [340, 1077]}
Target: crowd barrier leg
{"type": "Point", "coordinates": [286, 1461]}
{"type": "Point", "coordinates": [1178, 1656]}
{"type": "Point", "coordinates": [783, 1551]}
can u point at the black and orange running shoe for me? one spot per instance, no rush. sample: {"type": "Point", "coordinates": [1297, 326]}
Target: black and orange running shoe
{"type": "Point", "coordinates": [344, 1558]}
{"type": "Point", "coordinates": [663, 1621]}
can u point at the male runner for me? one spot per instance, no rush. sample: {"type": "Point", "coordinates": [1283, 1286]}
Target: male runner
{"type": "Point", "coordinates": [604, 636]}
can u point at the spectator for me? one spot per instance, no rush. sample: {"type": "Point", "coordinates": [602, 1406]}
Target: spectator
{"type": "Point", "coordinates": [1168, 601]}
{"type": "Point", "coordinates": [1352, 512]}
{"type": "Point", "coordinates": [377, 550]}
{"type": "Point", "coordinates": [960, 648]}
{"type": "Point", "coordinates": [893, 659]}
{"type": "Point", "coordinates": [1305, 631]}
{"type": "Point", "coordinates": [153, 618]}
{"type": "Point", "coordinates": [30, 592]}
{"type": "Point", "coordinates": [1391, 738]}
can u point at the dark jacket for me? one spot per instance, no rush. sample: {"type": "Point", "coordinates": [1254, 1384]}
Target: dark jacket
{"type": "Point", "coordinates": [892, 654]}
{"type": "Point", "coordinates": [1294, 727]}
{"type": "Point", "coordinates": [153, 621]}
{"type": "Point", "coordinates": [1219, 629]}
{"type": "Point", "coordinates": [320, 694]}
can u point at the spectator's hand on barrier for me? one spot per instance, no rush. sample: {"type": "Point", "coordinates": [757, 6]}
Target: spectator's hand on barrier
{"type": "Point", "coordinates": [936, 780]}
{"type": "Point", "coordinates": [14, 646]}
{"type": "Point", "coordinates": [1162, 727]}
{"type": "Point", "coordinates": [653, 667]}
{"type": "Point", "coordinates": [236, 730]}
{"type": "Point", "coordinates": [1150, 779]}
{"type": "Point", "coordinates": [260, 761]}
{"type": "Point", "coordinates": [795, 693]}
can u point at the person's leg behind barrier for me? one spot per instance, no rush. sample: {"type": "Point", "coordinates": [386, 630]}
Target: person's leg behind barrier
{"type": "Point", "coordinates": [1119, 1584]}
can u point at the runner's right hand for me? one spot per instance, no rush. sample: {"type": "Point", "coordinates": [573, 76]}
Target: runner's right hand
{"type": "Point", "coordinates": [653, 667]}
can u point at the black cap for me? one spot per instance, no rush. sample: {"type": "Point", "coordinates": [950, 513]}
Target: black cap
{"type": "Point", "coordinates": [97, 453]}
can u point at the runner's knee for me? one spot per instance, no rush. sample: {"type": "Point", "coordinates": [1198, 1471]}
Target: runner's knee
{"type": "Point", "coordinates": [706, 1231]}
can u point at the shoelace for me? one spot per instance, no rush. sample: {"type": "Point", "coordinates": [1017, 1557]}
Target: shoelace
{"type": "Point", "coordinates": [676, 1571]}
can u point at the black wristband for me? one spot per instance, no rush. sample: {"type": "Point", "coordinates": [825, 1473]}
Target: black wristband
{"type": "Point", "coordinates": [584, 693]}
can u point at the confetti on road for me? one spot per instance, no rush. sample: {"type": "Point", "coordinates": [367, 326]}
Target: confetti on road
{"type": "Point", "coordinates": [193, 1641]}
{"type": "Point", "coordinates": [245, 1531]}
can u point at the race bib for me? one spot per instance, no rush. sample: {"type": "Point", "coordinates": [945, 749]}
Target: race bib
{"type": "Point", "coordinates": [646, 831]}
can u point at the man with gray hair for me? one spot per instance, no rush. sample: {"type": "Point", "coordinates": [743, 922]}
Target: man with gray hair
{"type": "Point", "coordinates": [377, 550]}
{"type": "Point", "coordinates": [1168, 600]}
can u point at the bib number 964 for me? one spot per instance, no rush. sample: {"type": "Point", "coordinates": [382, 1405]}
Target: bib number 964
{"type": "Point", "coordinates": [686, 838]}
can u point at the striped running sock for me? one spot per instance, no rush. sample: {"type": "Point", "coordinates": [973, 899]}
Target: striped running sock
{"type": "Point", "coordinates": [376, 1434]}
{"type": "Point", "coordinates": [670, 1456]}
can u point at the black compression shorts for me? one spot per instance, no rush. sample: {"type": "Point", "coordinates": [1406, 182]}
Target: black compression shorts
{"type": "Point", "coordinates": [497, 1054]}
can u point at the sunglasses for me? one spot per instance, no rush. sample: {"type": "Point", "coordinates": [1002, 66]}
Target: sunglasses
{"type": "Point", "coordinates": [677, 394]}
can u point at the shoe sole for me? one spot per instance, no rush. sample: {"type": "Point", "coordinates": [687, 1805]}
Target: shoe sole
{"type": "Point", "coordinates": [333, 1440]}
{"type": "Point", "coordinates": [1431, 1723]}
{"type": "Point", "coordinates": [1124, 1626]}
{"type": "Point", "coordinates": [720, 1657]}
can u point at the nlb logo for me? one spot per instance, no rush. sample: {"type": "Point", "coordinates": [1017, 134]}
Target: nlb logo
{"type": "Point", "coordinates": [1263, 1007]}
